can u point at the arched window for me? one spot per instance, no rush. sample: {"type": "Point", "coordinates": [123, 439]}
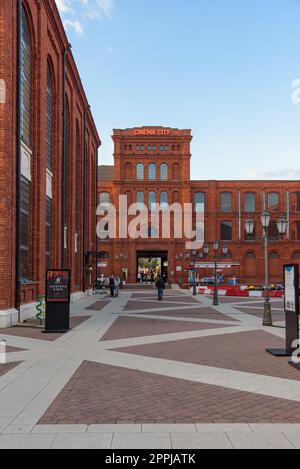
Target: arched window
{"type": "Point", "coordinates": [140, 172]}
{"type": "Point", "coordinates": [273, 230]}
{"type": "Point", "coordinates": [226, 202]}
{"type": "Point", "coordinates": [152, 200]}
{"type": "Point", "coordinates": [164, 200]}
{"type": "Point", "coordinates": [250, 202]}
{"type": "Point", "coordinates": [25, 185]}
{"type": "Point", "coordinates": [199, 201]}
{"type": "Point", "coordinates": [140, 198]}
{"type": "Point", "coordinates": [164, 172]}
{"type": "Point", "coordinates": [104, 255]}
{"type": "Point", "coordinates": [104, 200]}
{"type": "Point", "coordinates": [226, 231]}
{"type": "Point", "coordinates": [273, 201]}
{"type": "Point", "coordinates": [25, 79]}
{"type": "Point", "coordinates": [176, 197]}
{"type": "Point", "coordinates": [152, 172]}
{"type": "Point", "coordinates": [274, 256]}
{"type": "Point", "coordinates": [295, 202]}
{"type": "Point", "coordinates": [250, 255]}
{"type": "Point", "coordinates": [49, 140]}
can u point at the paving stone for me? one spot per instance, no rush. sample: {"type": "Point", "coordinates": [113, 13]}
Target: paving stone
{"type": "Point", "coordinates": [121, 428]}
{"type": "Point", "coordinates": [168, 428]}
{"type": "Point", "coordinates": [82, 441]}
{"type": "Point", "coordinates": [48, 429]}
{"type": "Point", "coordinates": [200, 441]}
{"type": "Point", "coordinates": [26, 441]}
{"type": "Point", "coordinates": [259, 440]}
{"type": "Point", "coordinates": [141, 441]}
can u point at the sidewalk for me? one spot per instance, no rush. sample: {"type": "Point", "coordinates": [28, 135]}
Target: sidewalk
{"type": "Point", "coordinates": [134, 373]}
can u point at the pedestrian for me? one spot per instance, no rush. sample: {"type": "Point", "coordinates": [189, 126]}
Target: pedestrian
{"type": "Point", "coordinates": [160, 287]}
{"type": "Point", "coordinates": [152, 278]}
{"type": "Point", "coordinates": [117, 286]}
{"type": "Point", "coordinates": [139, 277]}
{"type": "Point", "coordinates": [112, 285]}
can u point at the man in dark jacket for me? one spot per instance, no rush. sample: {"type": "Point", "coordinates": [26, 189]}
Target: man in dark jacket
{"type": "Point", "coordinates": [160, 287]}
{"type": "Point", "coordinates": [112, 286]}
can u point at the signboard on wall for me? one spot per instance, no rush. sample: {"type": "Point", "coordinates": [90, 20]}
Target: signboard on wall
{"type": "Point", "coordinates": [291, 297]}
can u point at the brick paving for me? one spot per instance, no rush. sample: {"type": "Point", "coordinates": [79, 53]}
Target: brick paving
{"type": "Point", "coordinates": [6, 367]}
{"type": "Point", "coordinates": [35, 333]}
{"type": "Point", "coordinates": [125, 328]}
{"type": "Point", "coordinates": [139, 305]}
{"type": "Point", "coordinates": [276, 315]}
{"type": "Point", "coordinates": [98, 306]}
{"type": "Point", "coordinates": [201, 313]}
{"type": "Point", "coordinates": [242, 352]}
{"type": "Point", "coordinates": [100, 394]}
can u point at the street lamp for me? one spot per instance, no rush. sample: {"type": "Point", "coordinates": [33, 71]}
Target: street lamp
{"type": "Point", "coordinates": [282, 226]}
{"type": "Point", "coordinates": [216, 246]}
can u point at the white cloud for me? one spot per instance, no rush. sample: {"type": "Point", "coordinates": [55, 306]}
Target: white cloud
{"type": "Point", "coordinates": [82, 11]}
{"type": "Point", "coordinates": [76, 25]}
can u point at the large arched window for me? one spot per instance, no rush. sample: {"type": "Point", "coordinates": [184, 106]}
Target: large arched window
{"type": "Point", "coordinates": [152, 200]}
{"type": "Point", "coordinates": [273, 201]}
{"type": "Point", "coordinates": [152, 172]}
{"type": "Point", "coordinates": [25, 111]}
{"type": "Point", "coordinates": [140, 172]}
{"type": "Point", "coordinates": [164, 200]}
{"type": "Point", "coordinates": [295, 202]}
{"type": "Point", "coordinates": [226, 202]}
{"type": "Point", "coordinates": [49, 164]}
{"type": "Point", "coordinates": [226, 231]}
{"type": "Point", "coordinates": [250, 202]}
{"type": "Point", "coordinates": [164, 171]}
{"type": "Point", "coordinates": [25, 79]}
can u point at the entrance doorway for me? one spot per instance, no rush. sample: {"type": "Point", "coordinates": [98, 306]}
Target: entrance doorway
{"type": "Point", "coordinates": [151, 264]}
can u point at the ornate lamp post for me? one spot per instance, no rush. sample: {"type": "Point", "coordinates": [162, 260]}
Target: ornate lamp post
{"type": "Point", "coordinates": [216, 246]}
{"type": "Point", "coordinates": [282, 226]}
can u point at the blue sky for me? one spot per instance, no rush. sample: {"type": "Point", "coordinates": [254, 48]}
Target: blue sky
{"type": "Point", "coordinates": [223, 68]}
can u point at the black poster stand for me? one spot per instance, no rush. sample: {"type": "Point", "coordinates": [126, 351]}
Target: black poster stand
{"type": "Point", "coordinates": [58, 293]}
{"type": "Point", "coordinates": [291, 308]}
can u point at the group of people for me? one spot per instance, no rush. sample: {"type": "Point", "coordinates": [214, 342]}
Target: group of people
{"type": "Point", "coordinates": [114, 285]}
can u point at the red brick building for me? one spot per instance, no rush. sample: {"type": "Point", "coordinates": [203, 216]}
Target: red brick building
{"type": "Point", "coordinates": [152, 164]}
{"type": "Point", "coordinates": [48, 158]}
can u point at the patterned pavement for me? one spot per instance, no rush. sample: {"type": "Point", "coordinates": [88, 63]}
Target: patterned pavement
{"type": "Point", "coordinates": [136, 373]}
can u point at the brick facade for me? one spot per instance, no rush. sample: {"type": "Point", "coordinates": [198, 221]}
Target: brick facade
{"type": "Point", "coordinates": [159, 145]}
{"type": "Point", "coordinates": [48, 43]}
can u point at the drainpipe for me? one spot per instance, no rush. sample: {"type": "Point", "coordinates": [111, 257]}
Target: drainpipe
{"type": "Point", "coordinates": [84, 258]}
{"type": "Point", "coordinates": [64, 156]}
{"type": "Point", "coordinates": [18, 164]}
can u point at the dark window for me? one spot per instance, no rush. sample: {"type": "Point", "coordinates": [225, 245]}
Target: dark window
{"type": "Point", "coordinates": [226, 202]}
{"type": "Point", "coordinates": [298, 230]}
{"type": "Point", "coordinates": [152, 200]}
{"type": "Point", "coordinates": [273, 230]}
{"type": "Point", "coordinates": [25, 229]}
{"type": "Point", "coordinates": [140, 198]}
{"type": "Point", "coordinates": [164, 200]}
{"type": "Point", "coordinates": [199, 200]}
{"type": "Point", "coordinates": [273, 201]}
{"type": "Point", "coordinates": [105, 200]}
{"type": "Point", "coordinates": [25, 79]}
{"type": "Point", "coordinates": [226, 231]}
{"type": "Point", "coordinates": [250, 202]}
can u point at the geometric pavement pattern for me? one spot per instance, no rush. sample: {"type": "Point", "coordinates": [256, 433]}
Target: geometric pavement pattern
{"type": "Point", "coordinates": [137, 373]}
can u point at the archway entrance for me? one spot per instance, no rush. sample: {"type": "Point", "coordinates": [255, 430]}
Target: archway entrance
{"type": "Point", "coordinates": [151, 263]}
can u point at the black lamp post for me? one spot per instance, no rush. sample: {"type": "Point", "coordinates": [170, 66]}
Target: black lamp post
{"type": "Point", "coordinates": [216, 246]}
{"type": "Point", "coordinates": [282, 226]}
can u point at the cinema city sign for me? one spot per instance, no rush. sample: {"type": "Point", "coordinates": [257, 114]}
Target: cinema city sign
{"type": "Point", "coordinates": [152, 132]}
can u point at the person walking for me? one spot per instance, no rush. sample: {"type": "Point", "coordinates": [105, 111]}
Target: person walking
{"type": "Point", "coordinates": [160, 287]}
{"type": "Point", "coordinates": [112, 285]}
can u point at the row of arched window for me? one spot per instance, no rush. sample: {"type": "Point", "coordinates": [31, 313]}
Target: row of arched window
{"type": "Point", "coordinates": [152, 172]}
